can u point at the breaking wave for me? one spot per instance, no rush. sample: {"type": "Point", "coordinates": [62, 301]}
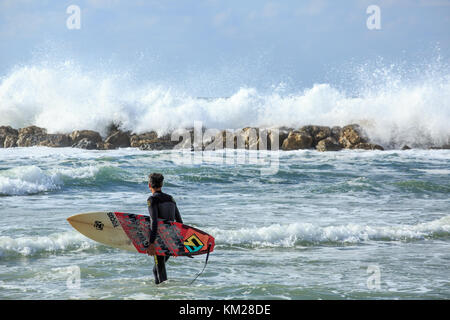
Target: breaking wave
{"type": "Point", "coordinates": [277, 235]}
{"type": "Point", "coordinates": [26, 180]}
{"type": "Point", "coordinates": [29, 246]}
{"type": "Point", "coordinates": [392, 105]}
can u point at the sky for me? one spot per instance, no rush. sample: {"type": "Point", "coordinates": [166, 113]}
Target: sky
{"type": "Point", "coordinates": [211, 47]}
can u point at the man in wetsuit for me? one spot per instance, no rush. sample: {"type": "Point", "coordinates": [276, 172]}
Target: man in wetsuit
{"type": "Point", "coordinates": [160, 206]}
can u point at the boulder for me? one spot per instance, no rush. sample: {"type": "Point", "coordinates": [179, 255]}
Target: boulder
{"type": "Point", "coordinates": [297, 140]}
{"type": "Point", "coordinates": [104, 146]}
{"type": "Point", "coordinates": [151, 141]}
{"type": "Point", "coordinates": [283, 133]}
{"type": "Point", "coordinates": [136, 140]}
{"type": "Point", "coordinates": [31, 136]}
{"type": "Point", "coordinates": [368, 146]}
{"type": "Point", "coordinates": [8, 136]}
{"type": "Point", "coordinates": [10, 141]}
{"type": "Point", "coordinates": [243, 138]}
{"type": "Point", "coordinates": [351, 136]}
{"type": "Point", "coordinates": [336, 132]}
{"type": "Point", "coordinates": [406, 147]}
{"type": "Point", "coordinates": [317, 133]}
{"type": "Point", "coordinates": [90, 135]}
{"type": "Point", "coordinates": [85, 143]}
{"type": "Point", "coordinates": [328, 144]}
{"type": "Point", "coordinates": [247, 138]}
{"type": "Point", "coordinates": [235, 139]}
{"type": "Point", "coordinates": [118, 139]}
{"type": "Point", "coordinates": [56, 141]}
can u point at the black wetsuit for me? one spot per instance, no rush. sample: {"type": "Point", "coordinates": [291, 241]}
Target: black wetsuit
{"type": "Point", "coordinates": [161, 206]}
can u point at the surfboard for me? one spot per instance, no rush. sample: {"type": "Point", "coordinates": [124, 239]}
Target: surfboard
{"type": "Point", "coordinates": [130, 232]}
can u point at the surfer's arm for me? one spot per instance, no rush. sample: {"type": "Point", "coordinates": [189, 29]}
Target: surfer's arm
{"type": "Point", "coordinates": [153, 211]}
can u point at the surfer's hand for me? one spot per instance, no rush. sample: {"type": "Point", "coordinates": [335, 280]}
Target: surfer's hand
{"type": "Point", "coordinates": [151, 251]}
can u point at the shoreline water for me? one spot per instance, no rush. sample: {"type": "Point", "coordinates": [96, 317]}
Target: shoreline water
{"type": "Point", "coordinates": [314, 229]}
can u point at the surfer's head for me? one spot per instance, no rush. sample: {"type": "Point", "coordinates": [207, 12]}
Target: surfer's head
{"type": "Point", "coordinates": [155, 181]}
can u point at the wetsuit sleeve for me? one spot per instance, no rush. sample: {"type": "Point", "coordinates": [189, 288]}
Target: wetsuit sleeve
{"type": "Point", "coordinates": [153, 211]}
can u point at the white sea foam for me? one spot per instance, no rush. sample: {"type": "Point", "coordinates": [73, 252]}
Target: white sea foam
{"type": "Point", "coordinates": [32, 179]}
{"type": "Point", "coordinates": [64, 97]}
{"type": "Point", "coordinates": [27, 180]}
{"type": "Point", "coordinates": [271, 236]}
{"type": "Point", "coordinates": [26, 246]}
{"type": "Point", "coordinates": [289, 235]}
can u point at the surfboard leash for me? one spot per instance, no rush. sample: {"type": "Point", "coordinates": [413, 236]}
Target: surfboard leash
{"type": "Point", "coordinates": [206, 262]}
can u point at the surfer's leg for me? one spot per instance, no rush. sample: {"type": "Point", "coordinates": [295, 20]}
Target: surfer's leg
{"type": "Point", "coordinates": [155, 270]}
{"type": "Point", "coordinates": [162, 268]}
{"type": "Point", "coordinates": [159, 270]}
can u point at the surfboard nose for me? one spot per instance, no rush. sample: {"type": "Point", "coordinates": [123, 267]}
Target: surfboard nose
{"type": "Point", "coordinates": [73, 222]}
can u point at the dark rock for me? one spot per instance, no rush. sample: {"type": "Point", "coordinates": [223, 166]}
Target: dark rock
{"type": "Point", "coordinates": [297, 140]}
{"type": "Point", "coordinates": [328, 144]}
{"type": "Point", "coordinates": [247, 138]}
{"type": "Point", "coordinates": [35, 136]}
{"type": "Point", "coordinates": [151, 141]}
{"type": "Point", "coordinates": [243, 138]}
{"type": "Point", "coordinates": [368, 146]}
{"type": "Point", "coordinates": [85, 143]}
{"type": "Point", "coordinates": [90, 135]}
{"type": "Point", "coordinates": [118, 139]}
{"type": "Point", "coordinates": [31, 136]}
{"type": "Point", "coordinates": [136, 140]}
{"type": "Point", "coordinates": [317, 133]}
{"type": "Point", "coordinates": [214, 141]}
{"type": "Point", "coordinates": [272, 142]}
{"type": "Point", "coordinates": [351, 136]}
{"type": "Point", "coordinates": [56, 141]}
{"type": "Point", "coordinates": [406, 147]}
{"type": "Point", "coordinates": [8, 137]}
{"type": "Point", "coordinates": [336, 132]}
{"type": "Point", "coordinates": [104, 146]}
{"type": "Point", "coordinates": [10, 141]}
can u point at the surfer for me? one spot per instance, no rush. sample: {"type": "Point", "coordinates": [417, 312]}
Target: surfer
{"type": "Point", "coordinates": [160, 206]}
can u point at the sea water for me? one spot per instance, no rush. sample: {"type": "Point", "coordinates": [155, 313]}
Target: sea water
{"type": "Point", "coordinates": [335, 225]}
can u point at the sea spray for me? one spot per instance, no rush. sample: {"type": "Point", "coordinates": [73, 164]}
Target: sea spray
{"type": "Point", "coordinates": [393, 112]}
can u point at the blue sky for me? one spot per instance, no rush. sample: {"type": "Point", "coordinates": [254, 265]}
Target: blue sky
{"type": "Point", "coordinates": [223, 44]}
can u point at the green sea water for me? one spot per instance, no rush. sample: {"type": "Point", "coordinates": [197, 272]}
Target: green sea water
{"type": "Point", "coordinates": [336, 225]}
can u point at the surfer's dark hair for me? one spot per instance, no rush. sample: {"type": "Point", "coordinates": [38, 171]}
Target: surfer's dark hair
{"type": "Point", "coordinates": [155, 180]}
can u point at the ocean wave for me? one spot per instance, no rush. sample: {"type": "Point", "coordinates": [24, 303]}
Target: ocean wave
{"type": "Point", "coordinates": [91, 175]}
{"type": "Point", "coordinates": [26, 180]}
{"type": "Point", "coordinates": [32, 246]}
{"type": "Point", "coordinates": [393, 109]}
{"type": "Point", "coordinates": [277, 235]}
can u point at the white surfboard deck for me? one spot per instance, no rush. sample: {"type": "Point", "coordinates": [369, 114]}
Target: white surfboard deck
{"type": "Point", "coordinates": [99, 226]}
